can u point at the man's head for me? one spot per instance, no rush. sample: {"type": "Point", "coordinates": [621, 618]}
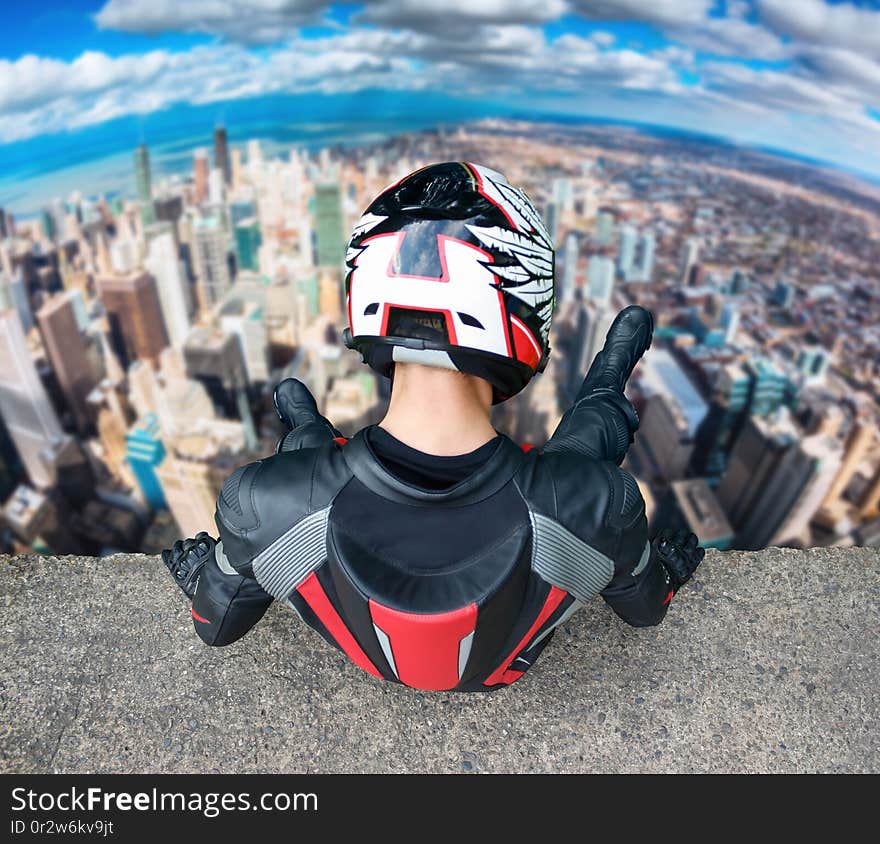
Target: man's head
{"type": "Point", "coordinates": [452, 268]}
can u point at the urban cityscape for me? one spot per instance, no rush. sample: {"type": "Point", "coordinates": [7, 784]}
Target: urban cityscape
{"type": "Point", "coordinates": [141, 334]}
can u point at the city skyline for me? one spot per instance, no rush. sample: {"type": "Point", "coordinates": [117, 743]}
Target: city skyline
{"type": "Point", "coordinates": [141, 335]}
{"type": "Point", "coordinates": [80, 82]}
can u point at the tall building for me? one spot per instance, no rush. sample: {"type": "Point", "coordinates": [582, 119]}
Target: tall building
{"type": "Point", "coordinates": [216, 358]}
{"type": "Point", "coordinates": [4, 225]}
{"type": "Point", "coordinates": [200, 174]}
{"type": "Point", "coordinates": [329, 235]}
{"type": "Point", "coordinates": [145, 453]}
{"type": "Point", "coordinates": [134, 316]}
{"type": "Point", "coordinates": [600, 279]}
{"type": "Point", "coordinates": [221, 154]}
{"type": "Point", "coordinates": [190, 480]}
{"type": "Point", "coordinates": [728, 410]}
{"type": "Point", "coordinates": [144, 186]}
{"type": "Point", "coordinates": [690, 255]}
{"type": "Point", "coordinates": [568, 279]}
{"type": "Point", "coordinates": [47, 223]}
{"type": "Point", "coordinates": [593, 322]}
{"type": "Point", "coordinates": [163, 263]}
{"type": "Point", "coordinates": [775, 481]}
{"type": "Point", "coordinates": [769, 388]}
{"type": "Point", "coordinates": [604, 228]}
{"type": "Point", "coordinates": [247, 244]}
{"type": "Point", "coordinates": [246, 320]}
{"type": "Point", "coordinates": [29, 416]}
{"type": "Point", "coordinates": [627, 254]}
{"type": "Point", "coordinates": [858, 443]}
{"type": "Point", "coordinates": [643, 267]}
{"type": "Point", "coordinates": [66, 350]}
{"type": "Point", "coordinates": [211, 259]}
{"type": "Point", "coordinates": [783, 294]}
{"type": "Point", "coordinates": [216, 188]}
{"type": "Point", "coordinates": [671, 418]}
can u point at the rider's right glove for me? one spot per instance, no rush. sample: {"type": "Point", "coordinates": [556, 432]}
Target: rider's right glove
{"type": "Point", "coordinates": [680, 555]}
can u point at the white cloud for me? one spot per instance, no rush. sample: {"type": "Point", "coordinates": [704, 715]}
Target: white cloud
{"type": "Point", "coordinates": [665, 12]}
{"type": "Point", "coordinates": [445, 15]}
{"type": "Point", "coordinates": [818, 22]}
{"type": "Point", "coordinates": [248, 21]}
{"type": "Point", "coordinates": [731, 37]}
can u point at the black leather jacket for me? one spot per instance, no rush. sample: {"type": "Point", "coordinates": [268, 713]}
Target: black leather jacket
{"type": "Point", "coordinates": [454, 589]}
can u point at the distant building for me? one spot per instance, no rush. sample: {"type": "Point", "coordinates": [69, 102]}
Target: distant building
{"type": "Point", "coordinates": [145, 453]}
{"type": "Point", "coordinates": [690, 255]}
{"type": "Point", "coordinates": [783, 294]}
{"type": "Point", "coordinates": [134, 315]}
{"type": "Point", "coordinates": [25, 407]}
{"type": "Point", "coordinates": [221, 154]}
{"type": "Point", "coordinates": [672, 415]}
{"type": "Point", "coordinates": [211, 259]}
{"type": "Point", "coordinates": [143, 182]}
{"type": "Point", "coordinates": [164, 264]}
{"type": "Point", "coordinates": [200, 174]}
{"type": "Point", "coordinates": [600, 279]}
{"type": "Point", "coordinates": [776, 481]}
{"type": "Point", "coordinates": [66, 350]}
{"type": "Point", "coordinates": [627, 254]}
{"type": "Point", "coordinates": [568, 279]}
{"type": "Point", "coordinates": [247, 244]}
{"type": "Point", "coordinates": [604, 228]}
{"type": "Point", "coordinates": [191, 477]}
{"type": "Point", "coordinates": [329, 235]}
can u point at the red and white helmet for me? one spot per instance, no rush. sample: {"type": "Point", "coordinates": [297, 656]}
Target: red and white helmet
{"type": "Point", "coordinates": [452, 267]}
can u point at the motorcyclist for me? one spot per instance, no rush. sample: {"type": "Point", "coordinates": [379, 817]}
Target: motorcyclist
{"type": "Point", "coordinates": [430, 548]}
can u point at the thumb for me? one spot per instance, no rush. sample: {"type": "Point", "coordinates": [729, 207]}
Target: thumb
{"type": "Point", "coordinates": [294, 404]}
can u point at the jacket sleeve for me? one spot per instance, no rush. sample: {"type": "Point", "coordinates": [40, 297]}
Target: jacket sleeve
{"type": "Point", "coordinates": [228, 601]}
{"type": "Point", "coordinates": [640, 590]}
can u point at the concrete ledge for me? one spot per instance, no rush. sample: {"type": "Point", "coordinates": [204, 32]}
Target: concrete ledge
{"type": "Point", "coordinates": [769, 661]}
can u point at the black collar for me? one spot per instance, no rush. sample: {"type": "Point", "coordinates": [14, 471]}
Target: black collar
{"type": "Point", "coordinates": [485, 481]}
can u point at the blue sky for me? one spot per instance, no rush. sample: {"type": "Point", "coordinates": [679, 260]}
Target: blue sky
{"type": "Point", "coordinates": [801, 76]}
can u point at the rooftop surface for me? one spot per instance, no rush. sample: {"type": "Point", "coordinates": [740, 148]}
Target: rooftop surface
{"type": "Point", "coordinates": [767, 661]}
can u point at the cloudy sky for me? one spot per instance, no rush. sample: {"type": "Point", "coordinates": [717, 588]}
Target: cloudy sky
{"type": "Point", "coordinates": [796, 75]}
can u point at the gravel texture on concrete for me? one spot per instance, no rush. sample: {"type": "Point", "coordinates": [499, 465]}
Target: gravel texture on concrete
{"type": "Point", "coordinates": [767, 661]}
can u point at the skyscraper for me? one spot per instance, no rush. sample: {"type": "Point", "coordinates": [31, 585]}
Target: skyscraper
{"type": "Point", "coordinates": [67, 354]}
{"type": "Point", "coordinates": [145, 453]}
{"type": "Point", "coordinates": [200, 173]}
{"type": "Point", "coordinates": [600, 279]}
{"type": "Point", "coordinates": [221, 153]}
{"type": "Point", "coordinates": [643, 266]}
{"type": "Point", "coordinates": [144, 186]}
{"type": "Point", "coordinates": [134, 315]}
{"type": "Point", "coordinates": [25, 406]}
{"type": "Point", "coordinates": [673, 413]}
{"type": "Point", "coordinates": [189, 480]}
{"type": "Point", "coordinates": [690, 254]}
{"type": "Point", "coordinates": [329, 235]}
{"type": "Point", "coordinates": [627, 255]}
{"type": "Point", "coordinates": [775, 481]}
{"type": "Point", "coordinates": [163, 263]}
{"type": "Point", "coordinates": [569, 268]}
{"type": "Point", "coordinates": [247, 244]}
{"type": "Point", "coordinates": [211, 259]}
{"type": "Point", "coordinates": [604, 228]}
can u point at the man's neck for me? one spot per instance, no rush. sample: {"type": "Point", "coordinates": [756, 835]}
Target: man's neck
{"type": "Point", "coordinates": [439, 411]}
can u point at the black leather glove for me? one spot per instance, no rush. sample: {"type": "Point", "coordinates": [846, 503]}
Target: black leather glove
{"type": "Point", "coordinates": [186, 558]}
{"type": "Point", "coordinates": [680, 555]}
{"type": "Point", "coordinates": [297, 408]}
